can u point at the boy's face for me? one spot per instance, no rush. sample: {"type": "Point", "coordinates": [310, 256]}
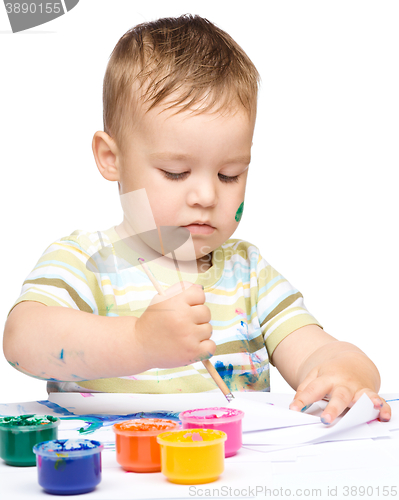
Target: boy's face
{"type": "Point", "coordinates": [193, 168]}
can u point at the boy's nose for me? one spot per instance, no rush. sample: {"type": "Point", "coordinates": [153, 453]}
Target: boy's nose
{"type": "Point", "coordinates": [203, 193]}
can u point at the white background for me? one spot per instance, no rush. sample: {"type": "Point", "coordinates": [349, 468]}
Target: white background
{"type": "Point", "coordinates": [321, 202]}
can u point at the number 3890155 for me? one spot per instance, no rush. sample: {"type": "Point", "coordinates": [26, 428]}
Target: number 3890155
{"type": "Point", "coordinates": [33, 8]}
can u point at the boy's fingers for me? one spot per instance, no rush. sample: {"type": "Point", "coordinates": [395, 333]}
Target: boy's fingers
{"type": "Point", "coordinates": [301, 395]}
{"type": "Point", "coordinates": [341, 398]}
{"type": "Point", "coordinates": [208, 348]}
{"type": "Point", "coordinates": [195, 295]}
{"type": "Point", "coordinates": [340, 403]}
{"type": "Point", "coordinates": [201, 314]}
{"type": "Point", "coordinates": [380, 404]}
{"type": "Point", "coordinates": [203, 332]}
{"type": "Point", "coordinates": [385, 412]}
{"type": "Point", "coordinates": [313, 392]}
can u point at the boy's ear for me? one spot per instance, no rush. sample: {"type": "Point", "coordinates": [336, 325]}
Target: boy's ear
{"type": "Point", "coordinates": [106, 154]}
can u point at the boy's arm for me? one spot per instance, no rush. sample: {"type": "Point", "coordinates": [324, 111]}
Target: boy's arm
{"type": "Point", "coordinates": [64, 344]}
{"type": "Point", "coordinates": [317, 365]}
{"type": "Point", "coordinates": [58, 343]}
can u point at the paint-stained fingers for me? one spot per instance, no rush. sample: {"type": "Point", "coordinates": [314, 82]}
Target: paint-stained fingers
{"type": "Point", "coordinates": [341, 398]}
{"type": "Point", "coordinates": [310, 393]}
{"type": "Point", "coordinates": [385, 412]}
{"type": "Point", "coordinates": [303, 397]}
{"type": "Point", "coordinates": [380, 404]}
{"type": "Point", "coordinates": [208, 348]}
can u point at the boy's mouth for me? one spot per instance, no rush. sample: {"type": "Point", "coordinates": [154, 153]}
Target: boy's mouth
{"type": "Point", "coordinates": [200, 228]}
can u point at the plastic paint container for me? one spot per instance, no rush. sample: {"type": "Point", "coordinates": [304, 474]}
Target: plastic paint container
{"type": "Point", "coordinates": [192, 456]}
{"type": "Point", "coordinates": [68, 466]}
{"type": "Point", "coordinates": [137, 449]}
{"type": "Point", "coordinates": [227, 420]}
{"type": "Point", "coordinates": [19, 434]}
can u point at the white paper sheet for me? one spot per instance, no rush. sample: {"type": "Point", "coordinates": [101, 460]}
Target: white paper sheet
{"type": "Point", "coordinates": [280, 426]}
{"type": "Point", "coordinates": [259, 415]}
{"type": "Point", "coordinates": [348, 427]}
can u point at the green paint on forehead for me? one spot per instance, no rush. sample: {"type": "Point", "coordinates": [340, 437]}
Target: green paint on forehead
{"type": "Point", "coordinates": [239, 212]}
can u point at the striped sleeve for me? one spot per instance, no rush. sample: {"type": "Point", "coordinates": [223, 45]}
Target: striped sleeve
{"type": "Point", "coordinates": [281, 309]}
{"type": "Point", "coordinates": [60, 278]}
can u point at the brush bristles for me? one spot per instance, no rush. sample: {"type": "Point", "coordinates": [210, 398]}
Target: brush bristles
{"type": "Point", "coordinates": [229, 397]}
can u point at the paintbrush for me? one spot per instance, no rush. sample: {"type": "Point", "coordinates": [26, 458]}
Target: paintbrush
{"type": "Point", "coordinates": [208, 365]}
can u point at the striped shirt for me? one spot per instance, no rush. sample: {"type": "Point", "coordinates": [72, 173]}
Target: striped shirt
{"type": "Point", "coordinates": [253, 307]}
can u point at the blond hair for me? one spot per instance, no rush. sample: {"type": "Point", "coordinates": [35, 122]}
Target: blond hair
{"type": "Point", "coordinates": [188, 59]}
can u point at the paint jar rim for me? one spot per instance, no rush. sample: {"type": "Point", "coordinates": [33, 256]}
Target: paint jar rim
{"type": "Point", "coordinates": [219, 437]}
{"type": "Point", "coordinates": [29, 428]}
{"type": "Point", "coordinates": [172, 425]}
{"type": "Point", "coordinates": [203, 420]}
{"type": "Point", "coordinates": [57, 454]}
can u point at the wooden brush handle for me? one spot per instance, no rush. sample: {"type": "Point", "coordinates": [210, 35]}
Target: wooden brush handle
{"type": "Point", "coordinates": [216, 377]}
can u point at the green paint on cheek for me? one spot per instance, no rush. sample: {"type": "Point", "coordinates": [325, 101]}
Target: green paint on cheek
{"type": "Point", "coordinates": [239, 212]}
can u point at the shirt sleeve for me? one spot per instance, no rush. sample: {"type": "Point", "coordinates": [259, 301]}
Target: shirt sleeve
{"type": "Point", "coordinates": [281, 309]}
{"type": "Point", "coordinates": [61, 278]}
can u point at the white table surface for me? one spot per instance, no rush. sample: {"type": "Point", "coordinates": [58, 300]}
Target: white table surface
{"type": "Point", "coordinates": [366, 468]}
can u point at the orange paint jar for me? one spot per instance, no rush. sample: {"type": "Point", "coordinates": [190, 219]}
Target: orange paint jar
{"type": "Point", "coordinates": [137, 449]}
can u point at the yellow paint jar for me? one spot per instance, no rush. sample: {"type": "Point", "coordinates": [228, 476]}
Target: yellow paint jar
{"type": "Point", "coordinates": [192, 456]}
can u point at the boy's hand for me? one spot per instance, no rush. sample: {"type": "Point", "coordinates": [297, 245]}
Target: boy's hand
{"type": "Point", "coordinates": [342, 380]}
{"type": "Point", "coordinates": [174, 330]}
{"type": "Point", "coordinates": [319, 366]}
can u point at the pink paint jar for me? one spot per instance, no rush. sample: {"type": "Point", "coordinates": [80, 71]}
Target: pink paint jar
{"type": "Point", "coordinates": [227, 420]}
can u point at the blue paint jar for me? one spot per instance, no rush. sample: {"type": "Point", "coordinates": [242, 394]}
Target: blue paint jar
{"type": "Point", "coordinates": [68, 466]}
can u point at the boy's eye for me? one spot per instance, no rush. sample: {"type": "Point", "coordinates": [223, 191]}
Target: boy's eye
{"type": "Point", "coordinates": [176, 177]}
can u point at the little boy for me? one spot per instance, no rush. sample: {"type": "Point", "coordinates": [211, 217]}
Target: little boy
{"type": "Point", "coordinates": [179, 114]}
